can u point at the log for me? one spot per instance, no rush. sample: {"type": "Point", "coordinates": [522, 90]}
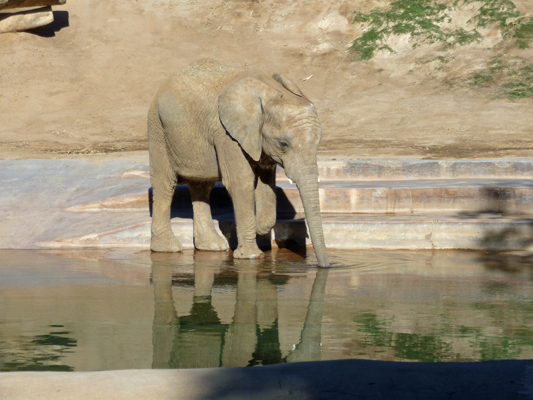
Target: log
{"type": "Point", "coordinates": [25, 20]}
{"type": "Point", "coordinates": [7, 4]}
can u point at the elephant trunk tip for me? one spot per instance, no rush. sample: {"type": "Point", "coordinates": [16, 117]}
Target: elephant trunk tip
{"type": "Point", "coordinates": [323, 260]}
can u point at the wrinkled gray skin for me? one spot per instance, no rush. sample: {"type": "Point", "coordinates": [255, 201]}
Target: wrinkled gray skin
{"type": "Point", "coordinates": [210, 122]}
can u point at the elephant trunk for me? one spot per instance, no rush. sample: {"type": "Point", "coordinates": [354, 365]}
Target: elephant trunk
{"type": "Point", "coordinates": [306, 180]}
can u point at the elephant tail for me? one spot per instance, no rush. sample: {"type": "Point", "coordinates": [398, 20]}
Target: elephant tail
{"type": "Point", "coordinates": [160, 167]}
{"type": "Point", "coordinates": [155, 127]}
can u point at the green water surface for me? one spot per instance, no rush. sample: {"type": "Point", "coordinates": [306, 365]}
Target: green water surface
{"type": "Point", "coordinates": [122, 309]}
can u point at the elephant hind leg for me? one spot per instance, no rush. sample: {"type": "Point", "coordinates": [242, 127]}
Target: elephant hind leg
{"type": "Point", "coordinates": [206, 237]}
{"type": "Point", "coordinates": [164, 181]}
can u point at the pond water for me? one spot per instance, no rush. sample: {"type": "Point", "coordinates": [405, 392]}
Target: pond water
{"type": "Point", "coordinates": [123, 309]}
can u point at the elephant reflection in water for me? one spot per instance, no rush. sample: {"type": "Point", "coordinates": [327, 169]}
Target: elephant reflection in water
{"type": "Point", "coordinates": [200, 340]}
{"type": "Point", "coordinates": [192, 341]}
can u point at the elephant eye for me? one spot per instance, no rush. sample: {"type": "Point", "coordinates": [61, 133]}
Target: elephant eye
{"type": "Point", "coordinates": [283, 144]}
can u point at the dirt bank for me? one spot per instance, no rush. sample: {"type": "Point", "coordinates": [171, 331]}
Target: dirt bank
{"type": "Point", "coordinates": [84, 87]}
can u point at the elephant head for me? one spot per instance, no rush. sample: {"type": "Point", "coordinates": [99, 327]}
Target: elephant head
{"type": "Point", "coordinates": [280, 124]}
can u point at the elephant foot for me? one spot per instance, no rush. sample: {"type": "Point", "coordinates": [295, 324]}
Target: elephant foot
{"type": "Point", "coordinates": [166, 243]}
{"type": "Point", "coordinates": [211, 242]}
{"type": "Point", "coordinates": [251, 251]}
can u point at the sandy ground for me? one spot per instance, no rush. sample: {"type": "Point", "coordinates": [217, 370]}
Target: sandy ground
{"type": "Point", "coordinates": [84, 85]}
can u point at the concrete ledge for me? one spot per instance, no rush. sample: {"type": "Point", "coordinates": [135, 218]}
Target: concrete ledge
{"type": "Point", "coordinates": [345, 197]}
{"type": "Point", "coordinates": [344, 379]}
{"type": "Point", "coordinates": [80, 203]}
{"type": "Point", "coordinates": [393, 169]}
{"type": "Point", "coordinates": [356, 231]}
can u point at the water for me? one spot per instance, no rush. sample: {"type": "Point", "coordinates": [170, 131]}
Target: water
{"type": "Point", "coordinates": [121, 309]}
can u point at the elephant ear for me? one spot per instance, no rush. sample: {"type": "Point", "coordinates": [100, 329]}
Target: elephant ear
{"type": "Point", "coordinates": [240, 108]}
{"type": "Point", "coordinates": [288, 84]}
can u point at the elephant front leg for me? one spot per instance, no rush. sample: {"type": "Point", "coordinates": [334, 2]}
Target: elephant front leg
{"type": "Point", "coordinates": [239, 178]}
{"type": "Point", "coordinates": [265, 199]}
{"type": "Point", "coordinates": [206, 237]}
{"type": "Point", "coordinates": [245, 220]}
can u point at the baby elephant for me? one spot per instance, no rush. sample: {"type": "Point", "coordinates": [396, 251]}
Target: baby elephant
{"type": "Point", "coordinates": [210, 122]}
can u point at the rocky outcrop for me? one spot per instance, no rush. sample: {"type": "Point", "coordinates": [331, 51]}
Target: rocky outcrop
{"type": "Point", "coordinates": [22, 20]}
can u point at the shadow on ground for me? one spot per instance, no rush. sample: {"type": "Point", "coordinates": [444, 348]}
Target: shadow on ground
{"type": "Point", "coordinates": [364, 379]}
{"type": "Point", "coordinates": [61, 20]}
{"type": "Point", "coordinates": [291, 236]}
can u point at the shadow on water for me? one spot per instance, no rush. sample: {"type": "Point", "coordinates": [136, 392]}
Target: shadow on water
{"type": "Point", "coordinates": [200, 340]}
{"type": "Point", "coordinates": [514, 238]}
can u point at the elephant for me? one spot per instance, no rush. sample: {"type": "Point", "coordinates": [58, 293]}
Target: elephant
{"type": "Point", "coordinates": [210, 122]}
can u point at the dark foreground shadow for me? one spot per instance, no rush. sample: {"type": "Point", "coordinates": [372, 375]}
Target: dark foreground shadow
{"type": "Point", "coordinates": [364, 379]}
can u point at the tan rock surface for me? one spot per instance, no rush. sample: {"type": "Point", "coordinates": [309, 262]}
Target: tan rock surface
{"type": "Point", "coordinates": [11, 4]}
